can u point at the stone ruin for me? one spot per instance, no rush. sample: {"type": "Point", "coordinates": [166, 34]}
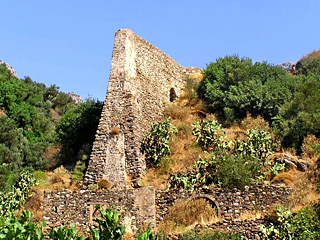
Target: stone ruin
{"type": "Point", "coordinates": [142, 80]}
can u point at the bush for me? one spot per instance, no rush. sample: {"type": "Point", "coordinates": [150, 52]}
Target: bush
{"type": "Point", "coordinates": [300, 116]}
{"type": "Point", "coordinates": [40, 176]}
{"type": "Point", "coordinates": [310, 146]}
{"type": "Point", "coordinates": [66, 232]}
{"type": "Point", "coordinates": [207, 134]}
{"type": "Point", "coordinates": [233, 87]}
{"type": "Point", "coordinates": [305, 224]}
{"type": "Point", "coordinates": [108, 225]}
{"type": "Point", "coordinates": [22, 228]}
{"type": "Point", "coordinates": [14, 199]}
{"type": "Point", "coordinates": [155, 144]}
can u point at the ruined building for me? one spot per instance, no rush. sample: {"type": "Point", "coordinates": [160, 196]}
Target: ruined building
{"type": "Point", "coordinates": [142, 80]}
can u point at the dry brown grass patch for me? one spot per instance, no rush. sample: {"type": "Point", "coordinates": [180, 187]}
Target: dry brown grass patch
{"type": "Point", "coordinates": [177, 112]}
{"type": "Point", "coordinates": [284, 177]}
{"type": "Point", "coordinates": [251, 123]}
{"type": "Point", "coordinates": [183, 154]}
{"type": "Point", "coordinates": [304, 193]}
{"type": "Point", "coordinates": [249, 215]}
{"type": "Point", "coordinates": [59, 179]}
{"type": "Point", "coordinates": [35, 202]}
{"type": "Point", "coordinates": [115, 131]}
{"type": "Point", "coordinates": [315, 54]}
{"type": "Point", "coordinates": [154, 177]}
{"type": "Point", "coordinates": [104, 184]}
{"type": "Point", "coordinates": [188, 212]}
{"type": "Point", "coordinates": [309, 147]}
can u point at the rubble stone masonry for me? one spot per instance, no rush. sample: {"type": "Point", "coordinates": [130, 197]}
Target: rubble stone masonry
{"type": "Point", "coordinates": [140, 83]}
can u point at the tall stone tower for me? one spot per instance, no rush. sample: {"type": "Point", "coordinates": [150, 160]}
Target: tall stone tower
{"type": "Point", "coordinates": [142, 79]}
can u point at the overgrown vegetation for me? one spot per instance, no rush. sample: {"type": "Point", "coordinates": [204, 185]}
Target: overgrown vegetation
{"type": "Point", "coordinates": [41, 128]}
{"type": "Point", "coordinates": [283, 224]}
{"type": "Point", "coordinates": [155, 144]}
{"type": "Point", "coordinates": [108, 227]}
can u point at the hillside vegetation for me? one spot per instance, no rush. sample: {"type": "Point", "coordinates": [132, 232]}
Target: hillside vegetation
{"type": "Point", "coordinates": [240, 123]}
{"type": "Point", "coordinates": [41, 128]}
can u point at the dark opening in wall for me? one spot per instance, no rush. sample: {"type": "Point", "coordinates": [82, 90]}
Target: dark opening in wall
{"type": "Point", "coordinates": [173, 95]}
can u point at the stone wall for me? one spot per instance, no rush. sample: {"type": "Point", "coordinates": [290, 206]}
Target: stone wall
{"type": "Point", "coordinates": [229, 202]}
{"type": "Point", "coordinates": [140, 83]}
{"type": "Point", "coordinates": [144, 206]}
{"type": "Point", "coordinates": [78, 207]}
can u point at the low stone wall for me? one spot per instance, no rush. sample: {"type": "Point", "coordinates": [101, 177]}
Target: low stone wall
{"type": "Point", "coordinates": [78, 207]}
{"type": "Point", "coordinates": [249, 229]}
{"type": "Point", "coordinates": [230, 202]}
{"type": "Point", "coordinates": [145, 206]}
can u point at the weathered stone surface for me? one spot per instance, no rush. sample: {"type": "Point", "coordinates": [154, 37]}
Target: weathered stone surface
{"type": "Point", "coordinates": [76, 98]}
{"type": "Point", "coordinates": [140, 83]}
{"type": "Point", "coordinates": [78, 206]}
{"type": "Point", "coordinates": [144, 207]}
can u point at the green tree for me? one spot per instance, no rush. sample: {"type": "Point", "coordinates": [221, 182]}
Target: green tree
{"type": "Point", "coordinates": [77, 128]}
{"type": "Point", "coordinates": [300, 116]}
{"type": "Point", "coordinates": [233, 87]}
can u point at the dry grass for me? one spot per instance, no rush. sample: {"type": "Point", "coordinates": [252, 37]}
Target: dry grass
{"type": "Point", "coordinates": [185, 214]}
{"type": "Point", "coordinates": [251, 123]}
{"type": "Point", "coordinates": [155, 177]}
{"type": "Point", "coordinates": [104, 184]}
{"type": "Point", "coordinates": [51, 154]}
{"type": "Point", "coordinates": [284, 177]}
{"type": "Point", "coordinates": [177, 112]}
{"type": "Point", "coordinates": [115, 131]}
{"type": "Point", "coordinates": [303, 194]}
{"type": "Point", "coordinates": [309, 147]}
{"type": "Point", "coordinates": [249, 215]}
{"type": "Point", "coordinates": [197, 76]}
{"type": "Point", "coordinates": [35, 203]}
{"type": "Point", "coordinates": [315, 54]}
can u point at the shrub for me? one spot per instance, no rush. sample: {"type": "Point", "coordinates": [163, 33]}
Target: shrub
{"type": "Point", "coordinates": [108, 225]}
{"type": "Point", "coordinates": [21, 228]}
{"type": "Point", "coordinates": [309, 146]}
{"type": "Point", "coordinates": [207, 134]}
{"type": "Point", "coordinates": [283, 224]}
{"type": "Point", "coordinates": [14, 199]}
{"type": "Point", "coordinates": [66, 232]}
{"type": "Point", "coordinates": [115, 131]}
{"type": "Point", "coordinates": [155, 144]}
{"type": "Point", "coordinates": [300, 116]}
{"type": "Point", "coordinates": [233, 87]}
{"type": "Point", "coordinates": [40, 176]}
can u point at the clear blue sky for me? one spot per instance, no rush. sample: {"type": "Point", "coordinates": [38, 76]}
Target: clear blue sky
{"type": "Point", "coordinates": [69, 42]}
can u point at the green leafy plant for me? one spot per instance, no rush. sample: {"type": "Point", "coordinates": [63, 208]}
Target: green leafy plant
{"type": "Point", "coordinates": [146, 235]}
{"type": "Point", "coordinates": [258, 144]}
{"type": "Point", "coordinates": [305, 224]}
{"type": "Point", "coordinates": [66, 232]}
{"type": "Point", "coordinates": [155, 144]}
{"type": "Point", "coordinates": [207, 134]}
{"type": "Point", "coordinates": [20, 228]}
{"type": "Point", "coordinates": [14, 199]}
{"type": "Point", "coordinates": [108, 225]}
